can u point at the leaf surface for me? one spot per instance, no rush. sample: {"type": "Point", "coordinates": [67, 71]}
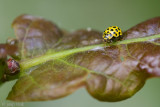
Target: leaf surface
{"type": "Point", "coordinates": [35, 35]}
{"type": "Point", "coordinates": [109, 73]}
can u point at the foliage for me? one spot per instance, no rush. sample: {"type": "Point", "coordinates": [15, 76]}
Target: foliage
{"type": "Point", "coordinates": [54, 63]}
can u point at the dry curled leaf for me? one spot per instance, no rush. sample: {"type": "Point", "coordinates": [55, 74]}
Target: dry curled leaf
{"type": "Point", "coordinates": [109, 73]}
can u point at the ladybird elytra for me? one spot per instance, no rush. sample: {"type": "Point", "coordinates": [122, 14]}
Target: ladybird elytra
{"type": "Point", "coordinates": [112, 33]}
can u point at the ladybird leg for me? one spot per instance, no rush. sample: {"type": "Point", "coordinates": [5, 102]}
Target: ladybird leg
{"type": "Point", "coordinates": [104, 40]}
{"type": "Point", "coordinates": [120, 38]}
{"type": "Point", "coordinates": [109, 40]}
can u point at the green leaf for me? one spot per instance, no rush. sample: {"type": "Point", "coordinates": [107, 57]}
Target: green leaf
{"type": "Point", "coordinates": [110, 72]}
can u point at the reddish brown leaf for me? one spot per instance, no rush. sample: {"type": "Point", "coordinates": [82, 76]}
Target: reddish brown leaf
{"type": "Point", "coordinates": [36, 35]}
{"type": "Point", "coordinates": [7, 49]}
{"type": "Point", "coordinates": [110, 73]}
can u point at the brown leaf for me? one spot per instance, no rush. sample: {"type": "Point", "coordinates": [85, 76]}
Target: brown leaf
{"type": "Point", "coordinates": [36, 35]}
{"type": "Point", "coordinates": [110, 73]}
{"type": "Point", "coordinates": [7, 49]}
{"type": "Point", "coordinates": [49, 81]}
{"type": "Point", "coordinates": [146, 28]}
{"type": "Point", "coordinates": [147, 53]}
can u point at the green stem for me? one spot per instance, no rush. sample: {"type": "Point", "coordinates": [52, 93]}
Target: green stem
{"type": "Point", "coordinates": [42, 59]}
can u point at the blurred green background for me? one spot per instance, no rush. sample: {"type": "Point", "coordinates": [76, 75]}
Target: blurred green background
{"type": "Point", "coordinates": [72, 15]}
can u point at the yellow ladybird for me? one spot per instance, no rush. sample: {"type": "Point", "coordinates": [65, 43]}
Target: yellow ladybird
{"type": "Point", "coordinates": [112, 33]}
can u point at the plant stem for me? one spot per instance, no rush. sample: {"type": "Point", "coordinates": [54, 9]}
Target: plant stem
{"type": "Point", "coordinates": [27, 63]}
